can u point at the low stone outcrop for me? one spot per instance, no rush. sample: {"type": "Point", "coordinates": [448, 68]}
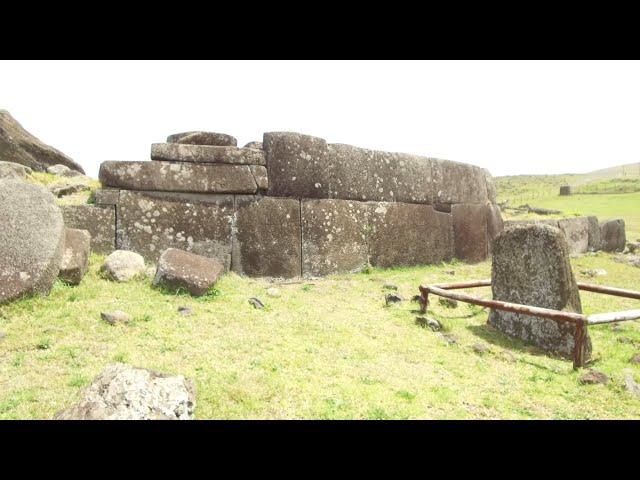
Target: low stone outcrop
{"type": "Point", "coordinates": [175, 152]}
{"type": "Point", "coordinates": [63, 171]}
{"type": "Point", "coordinates": [180, 270]}
{"type": "Point", "coordinates": [123, 265]}
{"type": "Point", "coordinates": [203, 138]}
{"type": "Point", "coordinates": [612, 235]}
{"type": "Point", "coordinates": [531, 267]}
{"type": "Point", "coordinates": [13, 171]}
{"type": "Point", "coordinates": [31, 239]}
{"type": "Point", "coordinates": [178, 177]}
{"type": "Point", "coordinates": [19, 146]}
{"type": "Point", "coordinates": [122, 392]}
{"type": "Point", "coordinates": [75, 260]}
{"type": "Point", "coordinates": [100, 222]}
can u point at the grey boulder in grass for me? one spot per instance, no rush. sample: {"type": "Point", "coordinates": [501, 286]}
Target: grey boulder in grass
{"type": "Point", "coordinates": [123, 265]}
{"type": "Point", "coordinates": [180, 270]}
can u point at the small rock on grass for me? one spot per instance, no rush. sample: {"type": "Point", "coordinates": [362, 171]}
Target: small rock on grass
{"type": "Point", "coordinates": [256, 302]}
{"type": "Point", "coordinates": [632, 386]}
{"type": "Point", "coordinates": [416, 298]}
{"type": "Point", "coordinates": [450, 338]}
{"type": "Point", "coordinates": [2, 335]}
{"type": "Point", "coordinates": [427, 322]}
{"type": "Point", "coordinates": [273, 292]}
{"type": "Point", "coordinates": [123, 265]}
{"type": "Point", "coordinates": [635, 359]}
{"type": "Point", "coordinates": [593, 377]}
{"type": "Point", "coordinates": [480, 348]}
{"type": "Point", "coordinates": [390, 286]}
{"type": "Point", "coordinates": [448, 302]}
{"type": "Point", "coordinates": [390, 298]}
{"type": "Point", "coordinates": [185, 311]}
{"type": "Point", "coordinates": [115, 317]}
{"type": "Point", "coordinates": [598, 272]}
{"type": "Point", "coordinates": [450, 272]}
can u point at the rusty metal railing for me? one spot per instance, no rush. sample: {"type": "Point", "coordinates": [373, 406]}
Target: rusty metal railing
{"type": "Point", "coordinates": [581, 321]}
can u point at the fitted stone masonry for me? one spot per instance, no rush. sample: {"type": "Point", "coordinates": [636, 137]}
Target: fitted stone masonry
{"type": "Point", "coordinates": [296, 205]}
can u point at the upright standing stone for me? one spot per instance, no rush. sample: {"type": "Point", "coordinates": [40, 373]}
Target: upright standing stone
{"type": "Point", "coordinates": [612, 235]}
{"type": "Point", "coordinates": [594, 233]}
{"type": "Point", "coordinates": [576, 231]}
{"type": "Point", "coordinates": [75, 260]}
{"type": "Point", "coordinates": [531, 267]}
{"type": "Point", "coordinates": [31, 239]}
{"type": "Point", "coordinates": [565, 190]}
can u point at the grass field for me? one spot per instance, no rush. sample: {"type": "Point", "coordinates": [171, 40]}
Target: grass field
{"type": "Point", "coordinates": [328, 348]}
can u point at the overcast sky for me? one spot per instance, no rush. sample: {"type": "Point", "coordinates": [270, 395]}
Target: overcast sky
{"type": "Point", "coordinates": [510, 117]}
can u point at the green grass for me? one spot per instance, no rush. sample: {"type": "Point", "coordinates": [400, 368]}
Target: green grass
{"type": "Point", "coordinates": [327, 350]}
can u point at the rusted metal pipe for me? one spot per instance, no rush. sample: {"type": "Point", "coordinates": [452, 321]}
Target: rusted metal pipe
{"type": "Point", "coordinates": [617, 292]}
{"type": "Point", "coordinates": [470, 284]}
{"type": "Point", "coordinates": [611, 317]}
{"type": "Point", "coordinates": [507, 306]}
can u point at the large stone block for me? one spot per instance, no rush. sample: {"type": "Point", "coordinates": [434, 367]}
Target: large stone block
{"type": "Point", "coordinates": [455, 182]}
{"type": "Point", "coordinates": [594, 233]}
{"type": "Point", "coordinates": [576, 232]}
{"type": "Point", "coordinates": [177, 152]}
{"type": "Point", "coordinates": [612, 235]}
{"type": "Point", "coordinates": [299, 165]}
{"type": "Point", "coordinates": [100, 221]}
{"type": "Point", "coordinates": [151, 222]}
{"type": "Point", "coordinates": [334, 236]}
{"type": "Point", "coordinates": [178, 177]}
{"type": "Point", "coordinates": [471, 236]}
{"type": "Point", "coordinates": [107, 196]}
{"type": "Point", "coordinates": [179, 270]}
{"type": "Point", "coordinates": [408, 234]}
{"type": "Point", "coordinates": [268, 237]}
{"type": "Point", "coordinates": [531, 267]}
{"type": "Point", "coordinates": [31, 239]}
{"type": "Point", "coordinates": [75, 260]}
{"type": "Point", "coordinates": [203, 138]}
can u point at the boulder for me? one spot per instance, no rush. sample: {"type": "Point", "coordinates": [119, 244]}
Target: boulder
{"type": "Point", "coordinates": [334, 236]}
{"type": "Point", "coordinates": [268, 242]}
{"type": "Point", "coordinates": [31, 239]}
{"type": "Point", "coordinates": [256, 145]}
{"type": "Point", "coordinates": [63, 171]}
{"type": "Point", "coordinates": [408, 234]}
{"type": "Point", "coordinates": [123, 265]}
{"type": "Point", "coordinates": [612, 235]}
{"type": "Point", "coordinates": [178, 177]}
{"type": "Point", "coordinates": [100, 222]}
{"type": "Point", "coordinates": [13, 171]}
{"type": "Point", "coordinates": [531, 267]}
{"type": "Point", "coordinates": [115, 317]}
{"type": "Point", "coordinates": [75, 260]}
{"type": "Point", "coordinates": [122, 392]}
{"type": "Point", "coordinates": [203, 138]}
{"type": "Point", "coordinates": [471, 235]}
{"type": "Point", "coordinates": [151, 222]}
{"type": "Point", "coordinates": [68, 189]}
{"type": "Point", "coordinates": [576, 232]}
{"type": "Point", "coordinates": [594, 233]}
{"type": "Point", "coordinates": [180, 270]}
{"type": "Point", "coordinates": [176, 152]}
{"type": "Point", "coordinates": [19, 146]}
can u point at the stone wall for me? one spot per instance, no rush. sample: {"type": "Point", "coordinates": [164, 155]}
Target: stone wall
{"type": "Point", "coordinates": [296, 205]}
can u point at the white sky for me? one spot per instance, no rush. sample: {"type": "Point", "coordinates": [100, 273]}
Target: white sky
{"type": "Point", "coordinates": [511, 117]}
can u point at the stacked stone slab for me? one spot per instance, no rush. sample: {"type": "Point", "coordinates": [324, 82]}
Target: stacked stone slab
{"type": "Point", "coordinates": [295, 205]}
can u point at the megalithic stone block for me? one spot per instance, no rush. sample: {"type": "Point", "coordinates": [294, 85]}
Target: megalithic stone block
{"type": "Point", "coordinates": [178, 177]}
{"type": "Point", "coordinates": [531, 267]}
{"type": "Point", "coordinates": [203, 138]}
{"type": "Point", "coordinates": [176, 152]}
{"type": "Point", "coordinates": [268, 237]}
{"type": "Point", "coordinates": [470, 232]}
{"type": "Point", "coordinates": [99, 221]}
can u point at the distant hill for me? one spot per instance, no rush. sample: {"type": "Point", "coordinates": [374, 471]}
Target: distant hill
{"type": "Point", "coordinates": [629, 170]}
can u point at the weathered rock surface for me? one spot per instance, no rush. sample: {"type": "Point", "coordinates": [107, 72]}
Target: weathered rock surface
{"type": "Point", "coordinates": [531, 267]}
{"type": "Point", "coordinates": [495, 224]}
{"type": "Point", "coordinates": [594, 242]}
{"type": "Point", "coordinates": [470, 232]}
{"type": "Point", "coordinates": [180, 270]}
{"type": "Point", "coordinates": [178, 177]}
{"type": "Point", "coordinates": [334, 236]}
{"type": "Point", "coordinates": [107, 196]}
{"type": "Point", "coordinates": [123, 265]}
{"type": "Point", "coordinates": [256, 145]}
{"type": "Point", "coordinates": [151, 222]}
{"type": "Point", "coordinates": [75, 260]}
{"type": "Point", "coordinates": [68, 189]}
{"type": "Point", "coordinates": [408, 234]}
{"type": "Point", "coordinates": [100, 222]}
{"type": "Point", "coordinates": [19, 146]}
{"type": "Point", "coordinates": [206, 154]}
{"type": "Point", "coordinates": [203, 138]}
{"type": "Point", "coordinates": [594, 377]}
{"type": "Point", "coordinates": [260, 176]}
{"type": "Point", "coordinates": [576, 232]}
{"type": "Point", "coordinates": [268, 242]}
{"type": "Point", "coordinates": [31, 239]}
{"type": "Point", "coordinates": [455, 182]}
{"type": "Point", "coordinates": [612, 235]}
{"type": "Point", "coordinates": [122, 392]}
{"type": "Point", "coordinates": [63, 171]}
{"type": "Point", "coordinates": [13, 171]}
